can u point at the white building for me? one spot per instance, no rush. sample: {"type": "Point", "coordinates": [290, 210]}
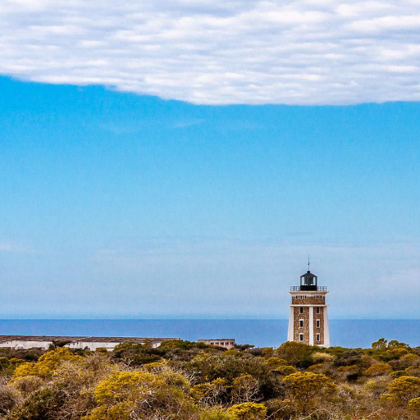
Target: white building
{"type": "Point", "coordinates": [90, 343]}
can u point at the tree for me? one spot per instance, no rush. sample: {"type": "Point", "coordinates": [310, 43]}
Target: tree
{"type": "Point", "coordinates": [381, 344]}
{"type": "Point", "coordinates": [395, 344]}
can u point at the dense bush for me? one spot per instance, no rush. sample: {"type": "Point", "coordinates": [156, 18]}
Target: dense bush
{"type": "Point", "coordinates": [182, 380]}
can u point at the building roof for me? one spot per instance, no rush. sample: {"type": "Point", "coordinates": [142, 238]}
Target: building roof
{"type": "Point", "coordinates": [308, 274]}
{"type": "Point", "coordinates": [216, 339]}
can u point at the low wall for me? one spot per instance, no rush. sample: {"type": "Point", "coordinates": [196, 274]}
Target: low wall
{"type": "Point", "coordinates": [90, 343]}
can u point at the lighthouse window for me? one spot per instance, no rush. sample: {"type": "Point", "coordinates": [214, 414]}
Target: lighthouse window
{"type": "Point", "coordinates": [301, 310]}
{"type": "Point", "coordinates": [300, 337]}
{"type": "Point", "coordinates": [318, 310]}
{"type": "Point", "coordinates": [300, 323]}
{"type": "Point", "coordinates": [318, 337]}
{"type": "Point", "coordinates": [318, 323]}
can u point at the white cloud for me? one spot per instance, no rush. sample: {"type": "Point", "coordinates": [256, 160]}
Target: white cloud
{"type": "Point", "coordinates": [14, 247]}
{"type": "Point", "coordinates": [210, 277]}
{"type": "Point", "coordinates": [238, 51]}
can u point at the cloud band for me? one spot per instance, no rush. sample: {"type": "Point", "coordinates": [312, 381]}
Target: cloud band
{"type": "Point", "coordinates": [239, 51]}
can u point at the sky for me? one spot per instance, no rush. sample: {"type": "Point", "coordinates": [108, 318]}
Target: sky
{"type": "Point", "coordinates": [184, 161]}
{"type": "Point", "coordinates": [305, 52]}
{"type": "Point", "coordinates": [115, 204]}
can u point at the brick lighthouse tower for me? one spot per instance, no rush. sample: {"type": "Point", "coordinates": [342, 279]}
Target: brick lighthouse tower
{"type": "Point", "coordinates": [308, 321]}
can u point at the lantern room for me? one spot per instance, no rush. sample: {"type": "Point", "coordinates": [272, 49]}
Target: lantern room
{"type": "Point", "coordinates": [308, 281]}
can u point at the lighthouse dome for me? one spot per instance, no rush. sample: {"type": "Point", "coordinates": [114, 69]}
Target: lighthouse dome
{"type": "Point", "coordinates": [308, 281]}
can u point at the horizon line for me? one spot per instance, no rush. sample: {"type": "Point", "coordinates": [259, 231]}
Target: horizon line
{"type": "Point", "coordinates": [191, 319]}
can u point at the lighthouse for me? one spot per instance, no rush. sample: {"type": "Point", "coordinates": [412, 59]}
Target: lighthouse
{"type": "Point", "coordinates": [308, 320]}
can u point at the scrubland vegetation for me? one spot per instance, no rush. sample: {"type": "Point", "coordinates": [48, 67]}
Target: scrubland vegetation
{"type": "Point", "coordinates": [184, 380]}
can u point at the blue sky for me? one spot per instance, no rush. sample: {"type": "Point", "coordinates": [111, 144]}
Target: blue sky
{"type": "Point", "coordinates": [116, 204]}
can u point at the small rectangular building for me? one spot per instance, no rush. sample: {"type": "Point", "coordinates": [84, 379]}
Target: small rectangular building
{"type": "Point", "coordinates": [226, 343]}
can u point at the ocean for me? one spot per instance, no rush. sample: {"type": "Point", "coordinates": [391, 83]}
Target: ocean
{"type": "Point", "coordinates": [260, 333]}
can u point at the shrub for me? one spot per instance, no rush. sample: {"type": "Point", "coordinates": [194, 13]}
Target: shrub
{"type": "Point", "coordinates": [9, 398]}
{"type": "Point", "coordinates": [318, 368]}
{"type": "Point", "coordinates": [46, 365]}
{"type": "Point", "coordinates": [211, 393]}
{"type": "Point", "coordinates": [377, 386]}
{"type": "Point", "coordinates": [414, 405]}
{"type": "Point", "coordinates": [297, 354]}
{"type": "Point", "coordinates": [248, 411]}
{"type": "Point", "coordinates": [308, 390]}
{"type": "Point", "coordinates": [245, 388]}
{"type": "Point", "coordinates": [43, 404]}
{"type": "Point", "coordinates": [378, 369]}
{"type": "Point", "coordinates": [273, 363]}
{"type": "Point", "coordinates": [4, 362]}
{"type": "Point", "coordinates": [285, 370]}
{"type": "Point", "coordinates": [216, 413]}
{"type": "Point", "coordinates": [280, 409]}
{"type": "Point", "coordinates": [403, 389]}
{"type": "Point", "coordinates": [209, 368]}
{"type": "Point", "coordinates": [135, 354]}
{"type": "Point", "coordinates": [128, 395]}
{"type": "Point", "coordinates": [28, 384]}
{"type": "Point", "coordinates": [193, 383]}
{"type": "Point", "coordinates": [321, 357]}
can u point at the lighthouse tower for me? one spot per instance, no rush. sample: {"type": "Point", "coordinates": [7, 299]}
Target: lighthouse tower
{"type": "Point", "coordinates": [308, 321]}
